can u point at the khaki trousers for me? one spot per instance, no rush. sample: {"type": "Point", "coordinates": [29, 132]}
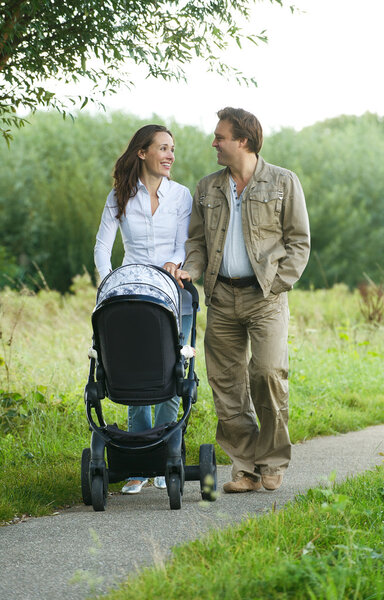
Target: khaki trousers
{"type": "Point", "coordinates": [246, 350]}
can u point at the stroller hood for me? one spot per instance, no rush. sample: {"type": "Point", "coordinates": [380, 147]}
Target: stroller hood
{"type": "Point", "coordinates": [142, 280]}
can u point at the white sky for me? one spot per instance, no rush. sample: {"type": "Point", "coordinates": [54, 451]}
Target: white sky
{"type": "Point", "coordinates": [321, 63]}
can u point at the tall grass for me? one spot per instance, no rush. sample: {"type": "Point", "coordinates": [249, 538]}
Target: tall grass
{"type": "Point", "coordinates": [336, 385]}
{"type": "Point", "coordinates": [336, 359]}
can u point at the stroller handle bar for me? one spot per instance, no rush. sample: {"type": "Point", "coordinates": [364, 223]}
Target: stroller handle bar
{"type": "Point", "coordinates": [188, 285]}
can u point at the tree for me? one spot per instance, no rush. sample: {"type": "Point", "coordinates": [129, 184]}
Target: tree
{"type": "Point", "coordinates": [98, 40]}
{"type": "Point", "coordinates": [340, 163]}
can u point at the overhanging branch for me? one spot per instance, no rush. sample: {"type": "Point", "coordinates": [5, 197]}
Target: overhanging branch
{"type": "Point", "coordinates": [7, 29]}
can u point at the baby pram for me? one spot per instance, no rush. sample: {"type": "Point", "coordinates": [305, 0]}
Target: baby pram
{"type": "Point", "coordinates": [137, 359]}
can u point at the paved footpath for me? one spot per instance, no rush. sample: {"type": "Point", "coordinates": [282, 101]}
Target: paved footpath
{"type": "Point", "coordinates": [39, 557]}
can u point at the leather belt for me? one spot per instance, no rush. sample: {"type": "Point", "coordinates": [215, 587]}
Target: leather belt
{"type": "Point", "coordinates": [239, 281]}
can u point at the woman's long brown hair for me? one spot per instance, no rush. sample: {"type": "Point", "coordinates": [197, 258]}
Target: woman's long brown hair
{"type": "Point", "coordinates": [129, 166]}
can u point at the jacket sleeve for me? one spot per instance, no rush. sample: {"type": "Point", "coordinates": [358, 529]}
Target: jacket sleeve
{"type": "Point", "coordinates": [196, 248]}
{"type": "Point", "coordinates": [296, 235]}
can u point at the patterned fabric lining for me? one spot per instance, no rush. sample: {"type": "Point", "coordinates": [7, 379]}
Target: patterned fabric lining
{"type": "Point", "coordinates": [141, 280]}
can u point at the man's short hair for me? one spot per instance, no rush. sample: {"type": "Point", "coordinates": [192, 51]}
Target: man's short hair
{"type": "Point", "coordinates": [244, 125]}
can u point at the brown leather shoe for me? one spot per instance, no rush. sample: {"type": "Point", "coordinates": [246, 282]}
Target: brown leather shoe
{"type": "Point", "coordinates": [243, 484]}
{"type": "Point", "coordinates": [271, 482]}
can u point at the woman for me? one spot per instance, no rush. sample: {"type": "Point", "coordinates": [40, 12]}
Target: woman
{"type": "Point", "coordinates": [153, 214]}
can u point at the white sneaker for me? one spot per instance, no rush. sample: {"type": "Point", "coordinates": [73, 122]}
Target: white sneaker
{"type": "Point", "coordinates": [133, 486]}
{"type": "Point", "coordinates": [159, 482]}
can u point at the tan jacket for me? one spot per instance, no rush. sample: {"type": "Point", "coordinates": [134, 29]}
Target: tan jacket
{"type": "Point", "coordinates": [275, 228]}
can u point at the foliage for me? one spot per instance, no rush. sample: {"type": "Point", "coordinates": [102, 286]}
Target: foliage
{"type": "Point", "coordinates": [340, 163]}
{"type": "Point", "coordinates": [98, 40]}
{"type": "Point", "coordinates": [16, 411]}
{"type": "Point", "coordinates": [9, 270]}
{"type": "Point", "coordinates": [11, 411]}
{"type": "Point", "coordinates": [372, 301]}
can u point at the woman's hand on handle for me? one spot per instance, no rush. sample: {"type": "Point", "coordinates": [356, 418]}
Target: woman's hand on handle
{"type": "Point", "coordinates": [171, 268]}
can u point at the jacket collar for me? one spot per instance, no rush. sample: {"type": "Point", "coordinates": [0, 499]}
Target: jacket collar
{"type": "Point", "coordinates": [222, 178]}
{"type": "Point", "coordinates": [261, 173]}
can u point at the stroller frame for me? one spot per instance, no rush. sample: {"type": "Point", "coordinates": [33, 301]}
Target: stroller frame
{"type": "Point", "coordinates": [159, 451]}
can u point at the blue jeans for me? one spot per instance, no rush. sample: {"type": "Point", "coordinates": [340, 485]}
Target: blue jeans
{"type": "Point", "coordinates": [140, 417]}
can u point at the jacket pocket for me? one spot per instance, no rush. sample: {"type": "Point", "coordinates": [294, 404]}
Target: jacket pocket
{"type": "Point", "coordinates": [265, 209]}
{"type": "Point", "coordinates": [212, 210]}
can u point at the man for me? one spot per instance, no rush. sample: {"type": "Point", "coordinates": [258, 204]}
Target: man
{"type": "Point", "coordinates": [249, 235]}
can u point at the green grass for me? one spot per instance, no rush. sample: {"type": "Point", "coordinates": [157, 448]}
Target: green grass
{"type": "Point", "coordinates": [326, 545]}
{"type": "Point", "coordinates": [336, 385]}
{"type": "Point", "coordinates": [336, 375]}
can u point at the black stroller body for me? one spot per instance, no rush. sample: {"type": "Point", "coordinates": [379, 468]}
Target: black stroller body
{"type": "Point", "coordinates": [137, 359]}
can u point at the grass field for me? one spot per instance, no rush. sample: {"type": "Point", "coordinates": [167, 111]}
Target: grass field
{"type": "Point", "coordinates": [336, 385]}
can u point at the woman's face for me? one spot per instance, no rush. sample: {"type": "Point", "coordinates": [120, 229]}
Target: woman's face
{"type": "Point", "coordinates": [157, 160]}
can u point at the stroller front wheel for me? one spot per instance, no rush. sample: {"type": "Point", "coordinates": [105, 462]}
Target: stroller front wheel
{"type": "Point", "coordinates": [174, 491]}
{"type": "Point", "coordinates": [208, 473]}
{"type": "Point", "coordinates": [99, 493]}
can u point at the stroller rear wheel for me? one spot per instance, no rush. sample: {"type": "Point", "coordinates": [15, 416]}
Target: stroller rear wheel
{"type": "Point", "coordinates": [174, 491]}
{"type": "Point", "coordinates": [99, 489]}
{"type": "Point", "coordinates": [85, 486]}
{"type": "Point", "coordinates": [208, 475]}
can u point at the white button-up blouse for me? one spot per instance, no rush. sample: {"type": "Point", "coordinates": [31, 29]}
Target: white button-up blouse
{"type": "Point", "coordinates": [147, 239]}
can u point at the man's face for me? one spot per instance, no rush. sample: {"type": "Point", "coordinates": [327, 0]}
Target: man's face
{"type": "Point", "coordinates": [227, 148]}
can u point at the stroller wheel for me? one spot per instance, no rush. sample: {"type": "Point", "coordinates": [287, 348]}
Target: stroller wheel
{"type": "Point", "coordinates": [208, 475]}
{"type": "Point", "coordinates": [174, 491]}
{"type": "Point", "coordinates": [85, 487]}
{"type": "Point", "coordinates": [99, 492]}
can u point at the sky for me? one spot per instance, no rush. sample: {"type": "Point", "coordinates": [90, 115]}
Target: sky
{"type": "Point", "coordinates": [322, 61]}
